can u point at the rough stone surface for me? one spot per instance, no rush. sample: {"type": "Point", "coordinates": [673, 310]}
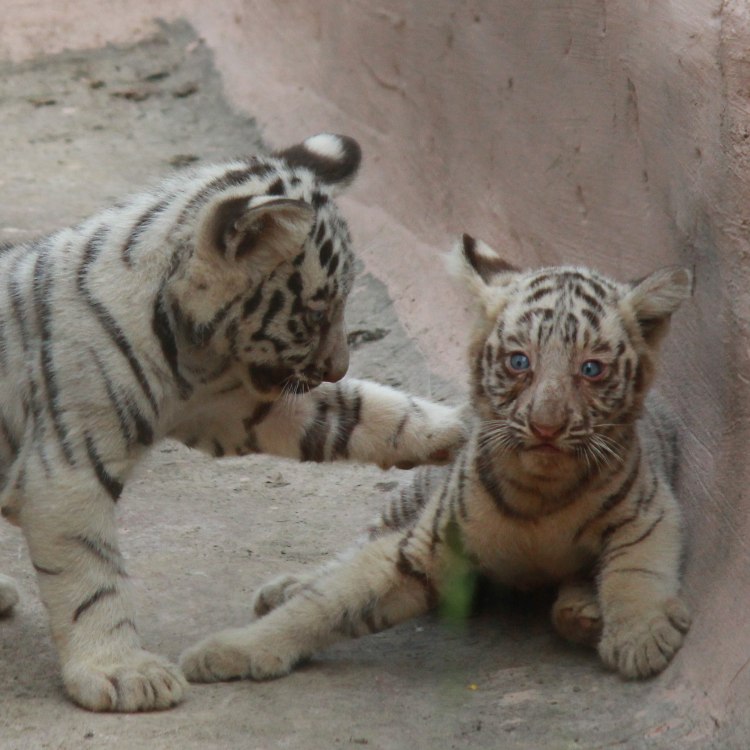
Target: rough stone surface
{"type": "Point", "coordinates": [200, 534]}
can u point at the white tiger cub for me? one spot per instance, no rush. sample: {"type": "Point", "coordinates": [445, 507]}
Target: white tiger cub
{"type": "Point", "coordinates": [184, 311]}
{"type": "Point", "coordinates": [566, 479]}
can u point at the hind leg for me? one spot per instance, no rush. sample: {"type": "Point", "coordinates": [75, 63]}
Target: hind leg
{"type": "Point", "coordinates": [374, 590]}
{"type": "Point", "coordinates": [576, 614]}
{"type": "Point", "coordinates": [8, 595]}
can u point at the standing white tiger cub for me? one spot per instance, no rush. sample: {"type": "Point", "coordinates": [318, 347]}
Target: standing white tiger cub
{"type": "Point", "coordinates": [566, 479]}
{"type": "Point", "coordinates": [184, 311]}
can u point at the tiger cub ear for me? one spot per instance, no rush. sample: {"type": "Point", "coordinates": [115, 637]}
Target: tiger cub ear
{"type": "Point", "coordinates": [239, 226]}
{"type": "Point", "coordinates": [480, 267]}
{"type": "Point", "coordinates": [656, 297]}
{"type": "Point", "coordinates": [333, 159]}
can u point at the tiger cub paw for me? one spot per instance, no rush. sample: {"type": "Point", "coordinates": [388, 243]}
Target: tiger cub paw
{"type": "Point", "coordinates": [643, 646]}
{"type": "Point", "coordinates": [433, 435]}
{"type": "Point", "coordinates": [274, 593]}
{"type": "Point", "coordinates": [236, 653]}
{"type": "Point", "coordinates": [8, 595]}
{"type": "Point", "coordinates": [577, 616]}
{"type": "Point", "coordinates": [136, 681]}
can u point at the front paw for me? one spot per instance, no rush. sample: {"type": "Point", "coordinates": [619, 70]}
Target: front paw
{"type": "Point", "coordinates": [433, 435]}
{"type": "Point", "coordinates": [136, 681]}
{"type": "Point", "coordinates": [236, 653]}
{"type": "Point", "coordinates": [643, 645]}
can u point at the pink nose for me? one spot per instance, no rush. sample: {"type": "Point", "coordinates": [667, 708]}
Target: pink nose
{"type": "Point", "coordinates": [336, 369]}
{"type": "Point", "coordinates": [547, 431]}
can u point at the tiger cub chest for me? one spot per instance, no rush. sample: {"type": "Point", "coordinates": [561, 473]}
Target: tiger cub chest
{"type": "Point", "coordinates": [528, 553]}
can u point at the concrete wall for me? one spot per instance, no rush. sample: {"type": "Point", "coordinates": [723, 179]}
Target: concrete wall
{"type": "Point", "coordinates": [611, 133]}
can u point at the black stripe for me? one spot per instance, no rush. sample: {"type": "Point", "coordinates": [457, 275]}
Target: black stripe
{"type": "Point", "coordinates": [406, 568]}
{"type": "Point", "coordinates": [42, 297]}
{"type": "Point", "coordinates": [125, 430]}
{"type": "Point", "coordinates": [9, 437]}
{"type": "Point", "coordinates": [3, 348]}
{"type": "Point", "coordinates": [251, 305]}
{"type": "Point", "coordinates": [276, 187]}
{"type": "Point", "coordinates": [106, 320]}
{"type": "Point", "coordinates": [592, 317]}
{"type": "Point", "coordinates": [110, 483]}
{"type": "Point", "coordinates": [610, 529]}
{"type": "Point", "coordinates": [259, 414]}
{"type": "Point", "coordinates": [534, 283]}
{"type": "Point", "coordinates": [139, 227]}
{"type": "Point", "coordinates": [635, 570]}
{"type": "Point", "coordinates": [402, 423]}
{"type": "Point", "coordinates": [144, 432]}
{"type": "Point", "coordinates": [46, 571]}
{"type": "Point", "coordinates": [597, 288]}
{"type": "Point", "coordinates": [590, 301]}
{"type": "Point", "coordinates": [102, 593]}
{"type": "Point", "coordinates": [36, 413]}
{"type": "Point", "coordinates": [645, 499]}
{"type": "Point", "coordinates": [313, 444]}
{"type": "Point", "coordinates": [326, 250]}
{"type": "Point", "coordinates": [349, 418]}
{"type": "Point", "coordinates": [166, 338]}
{"type": "Point", "coordinates": [124, 623]}
{"type": "Point", "coordinates": [17, 302]}
{"type": "Point", "coordinates": [436, 538]}
{"type": "Point", "coordinates": [491, 484]}
{"type": "Point", "coordinates": [460, 499]}
{"type": "Point", "coordinates": [537, 295]}
{"type": "Point", "coordinates": [570, 334]}
{"type": "Point", "coordinates": [613, 499]}
{"type": "Point", "coordinates": [614, 552]}
{"type": "Point", "coordinates": [104, 551]}
{"type": "Point", "coordinates": [200, 334]}
{"type": "Point", "coordinates": [229, 179]}
{"type": "Point", "coordinates": [275, 305]}
{"type": "Point", "coordinates": [333, 265]}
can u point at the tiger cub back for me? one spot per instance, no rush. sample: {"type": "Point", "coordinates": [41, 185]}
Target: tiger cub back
{"type": "Point", "coordinates": [566, 479]}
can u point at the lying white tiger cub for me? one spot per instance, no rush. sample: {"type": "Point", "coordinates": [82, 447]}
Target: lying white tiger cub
{"type": "Point", "coordinates": [566, 479]}
{"type": "Point", "coordinates": [184, 311]}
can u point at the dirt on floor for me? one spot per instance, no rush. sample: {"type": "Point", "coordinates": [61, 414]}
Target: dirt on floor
{"type": "Point", "coordinates": [78, 131]}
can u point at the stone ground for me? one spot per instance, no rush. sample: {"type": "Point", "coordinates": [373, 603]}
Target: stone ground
{"type": "Point", "coordinates": [81, 129]}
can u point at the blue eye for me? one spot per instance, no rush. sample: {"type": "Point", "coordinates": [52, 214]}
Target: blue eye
{"type": "Point", "coordinates": [519, 361]}
{"type": "Point", "coordinates": [592, 369]}
{"type": "Point", "coordinates": [315, 317]}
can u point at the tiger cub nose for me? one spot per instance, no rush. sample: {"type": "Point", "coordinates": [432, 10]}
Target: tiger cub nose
{"type": "Point", "coordinates": [547, 431]}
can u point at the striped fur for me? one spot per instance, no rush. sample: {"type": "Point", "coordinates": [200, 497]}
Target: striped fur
{"type": "Point", "coordinates": [208, 309]}
{"type": "Point", "coordinates": [566, 480]}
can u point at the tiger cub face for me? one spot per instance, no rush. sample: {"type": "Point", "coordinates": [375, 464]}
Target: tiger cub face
{"type": "Point", "coordinates": [263, 293]}
{"type": "Point", "coordinates": [563, 358]}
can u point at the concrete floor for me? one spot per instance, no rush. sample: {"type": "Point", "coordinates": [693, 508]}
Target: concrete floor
{"type": "Point", "coordinates": [79, 130]}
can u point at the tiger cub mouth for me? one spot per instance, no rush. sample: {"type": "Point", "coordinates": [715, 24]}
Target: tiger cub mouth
{"type": "Point", "coordinates": [546, 448]}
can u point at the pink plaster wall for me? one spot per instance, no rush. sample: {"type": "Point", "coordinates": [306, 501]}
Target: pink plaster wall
{"type": "Point", "coordinates": [612, 133]}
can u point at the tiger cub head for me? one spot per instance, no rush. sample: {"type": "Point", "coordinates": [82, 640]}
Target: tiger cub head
{"type": "Point", "coordinates": [270, 267]}
{"type": "Point", "coordinates": [563, 357]}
